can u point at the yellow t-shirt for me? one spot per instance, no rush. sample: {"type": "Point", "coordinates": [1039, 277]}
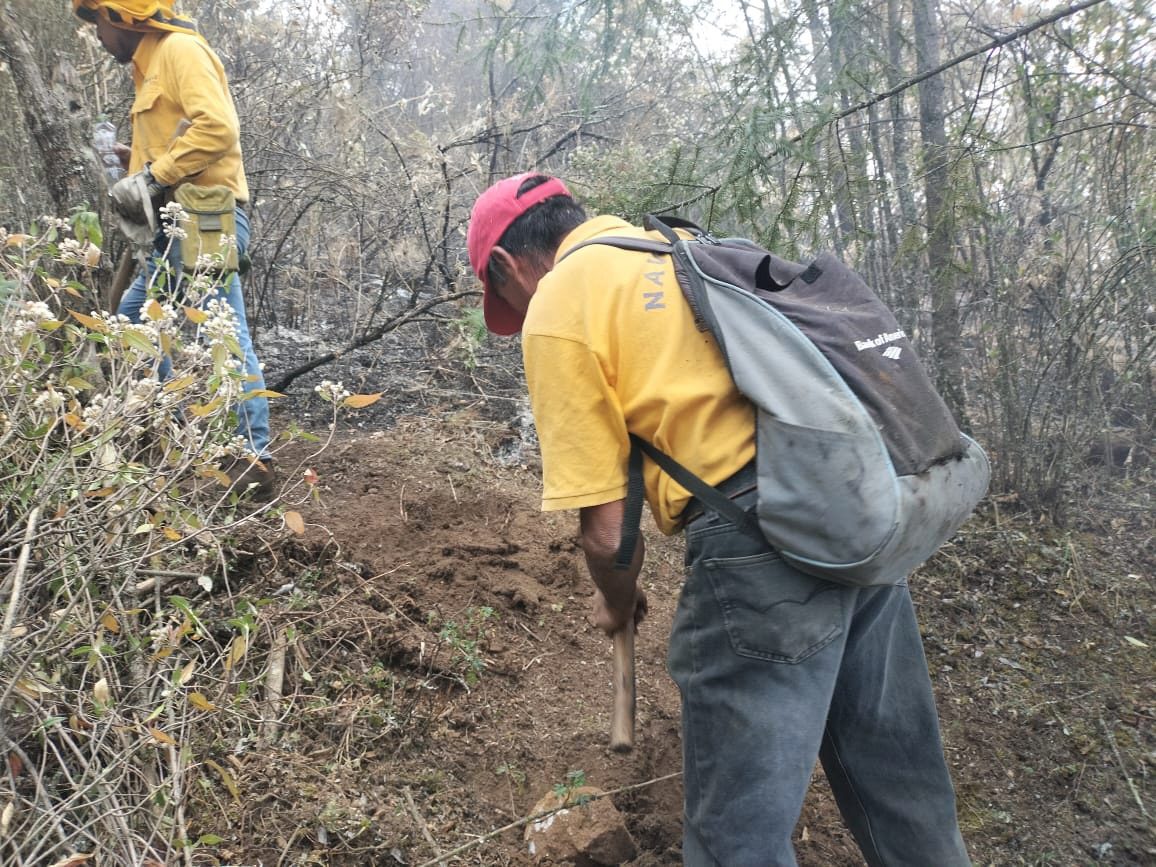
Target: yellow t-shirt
{"type": "Point", "coordinates": [610, 347]}
{"type": "Point", "coordinates": [178, 77]}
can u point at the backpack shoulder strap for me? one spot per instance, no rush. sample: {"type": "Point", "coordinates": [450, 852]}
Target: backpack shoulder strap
{"type": "Point", "coordinates": [707, 495]}
{"type": "Point", "coordinates": [664, 225]}
{"type": "Point", "coordinates": [641, 245]}
{"type": "Point", "coordinates": [668, 223]}
{"type": "Point", "coordinates": [632, 516]}
{"type": "Point", "coordinates": [674, 248]}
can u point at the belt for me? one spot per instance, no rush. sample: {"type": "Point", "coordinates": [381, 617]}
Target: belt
{"type": "Point", "coordinates": [742, 482]}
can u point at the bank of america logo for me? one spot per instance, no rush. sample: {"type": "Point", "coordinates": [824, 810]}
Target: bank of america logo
{"type": "Point", "coordinates": [892, 352]}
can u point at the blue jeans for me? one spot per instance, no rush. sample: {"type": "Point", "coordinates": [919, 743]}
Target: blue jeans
{"type": "Point", "coordinates": [253, 412]}
{"type": "Point", "coordinates": [776, 669]}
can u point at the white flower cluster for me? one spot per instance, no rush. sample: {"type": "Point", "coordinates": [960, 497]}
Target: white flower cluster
{"type": "Point", "coordinates": [101, 412]}
{"type": "Point", "coordinates": [37, 310]}
{"type": "Point", "coordinates": [221, 321]}
{"type": "Point", "coordinates": [165, 323]}
{"type": "Point", "coordinates": [199, 288]}
{"type": "Point", "coordinates": [116, 322]}
{"type": "Point", "coordinates": [333, 392]}
{"type": "Point", "coordinates": [168, 312]}
{"type": "Point", "coordinates": [143, 407]}
{"type": "Point", "coordinates": [208, 262]}
{"type": "Point", "coordinates": [172, 215]}
{"type": "Point", "coordinates": [237, 445]}
{"type": "Point", "coordinates": [214, 260]}
{"type": "Point", "coordinates": [28, 317]}
{"type": "Point", "coordinates": [174, 211]}
{"type": "Point", "coordinates": [71, 252]}
{"type": "Point", "coordinates": [57, 223]}
{"type": "Point", "coordinates": [186, 432]}
{"type": "Point", "coordinates": [50, 401]}
{"type": "Point", "coordinates": [141, 396]}
{"type": "Point", "coordinates": [232, 386]}
{"type": "Point", "coordinates": [234, 448]}
{"type": "Point", "coordinates": [193, 355]}
{"type": "Point", "coordinates": [160, 636]}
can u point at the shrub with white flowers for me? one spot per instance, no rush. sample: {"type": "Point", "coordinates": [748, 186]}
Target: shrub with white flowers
{"type": "Point", "coordinates": [110, 479]}
{"type": "Point", "coordinates": [172, 215]}
{"type": "Point", "coordinates": [332, 392]}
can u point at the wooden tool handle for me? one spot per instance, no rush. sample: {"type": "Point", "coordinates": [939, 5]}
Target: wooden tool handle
{"type": "Point", "coordinates": [121, 279]}
{"type": "Point", "coordinates": [622, 718]}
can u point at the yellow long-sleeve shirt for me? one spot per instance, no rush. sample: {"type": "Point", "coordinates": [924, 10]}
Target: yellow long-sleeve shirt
{"type": "Point", "coordinates": [179, 77]}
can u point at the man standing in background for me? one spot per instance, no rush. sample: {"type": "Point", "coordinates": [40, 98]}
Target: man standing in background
{"type": "Point", "coordinates": [184, 131]}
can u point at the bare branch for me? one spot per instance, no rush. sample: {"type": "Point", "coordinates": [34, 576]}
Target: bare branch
{"type": "Point", "coordinates": [907, 84]}
{"type": "Point", "coordinates": [285, 381]}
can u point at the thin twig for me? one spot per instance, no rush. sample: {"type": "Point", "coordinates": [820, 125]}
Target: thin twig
{"type": "Point", "coordinates": [1124, 769]}
{"type": "Point", "coordinates": [440, 859]}
{"type": "Point", "coordinates": [168, 573]}
{"type": "Point", "coordinates": [274, 686]}
{"type": "Point", "coordinates": [158, 575]}
{"type": "Point", "coordinates": [177, 768]}
{"type": "Point", "coordinates": [18, 579]}
{"type": "Point", "coordinates": [473, 844]}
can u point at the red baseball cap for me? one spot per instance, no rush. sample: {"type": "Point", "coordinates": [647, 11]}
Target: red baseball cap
{"type": "Point", "coordinates": [494, 211]}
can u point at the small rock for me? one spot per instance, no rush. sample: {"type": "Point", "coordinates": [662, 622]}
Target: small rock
{"type": "Point", "coordinates": [587, 833]}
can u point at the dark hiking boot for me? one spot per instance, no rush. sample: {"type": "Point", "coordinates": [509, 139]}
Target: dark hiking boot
{"type": "Point", "coordinates": [252, 479]}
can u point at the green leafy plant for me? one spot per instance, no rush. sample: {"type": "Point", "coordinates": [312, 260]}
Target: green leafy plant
{"type": "Point", "coordinates": [566, 791]}
{"type": "Point", "coordinates": [470, 337]}
{"type": "Point", "coordinates": [513, 773]}
{"type": "Point", "coordinates": [463, 640]}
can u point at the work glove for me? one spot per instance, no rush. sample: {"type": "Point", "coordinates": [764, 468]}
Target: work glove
{"type": "Point", "coordinates": [134, 199]}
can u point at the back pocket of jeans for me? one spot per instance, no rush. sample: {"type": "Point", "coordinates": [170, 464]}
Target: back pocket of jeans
{"type": "Point", "coordinates": [771, 610]}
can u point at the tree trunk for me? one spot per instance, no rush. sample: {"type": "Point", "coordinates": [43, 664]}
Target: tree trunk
{"type": "Point", "coordinates": [941, 229]}
{"type": "Point", "coordinates": [69, 175]}
{"type": "Point", "coordinates": [899, 145]}
{"type": "Point", "coordinates": [826, 61]}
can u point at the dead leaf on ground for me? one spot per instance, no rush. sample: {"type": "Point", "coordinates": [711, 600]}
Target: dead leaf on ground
{"type": "Point", "coordinates": [295, 522]}
{"type": "Point", "coordinates": [236, 652]}
{"type": "Point", "coordinates": [161, 737]}
{"type": "Point", "coordinates": [227, 779]}
{"type": "Point", "coordinates": [360, 401]}
{"type": "Point", "coordinates": [73, 861]}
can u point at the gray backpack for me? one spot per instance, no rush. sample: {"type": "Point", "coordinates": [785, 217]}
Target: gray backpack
{"type": "Point", "coordinates": [862, 472]}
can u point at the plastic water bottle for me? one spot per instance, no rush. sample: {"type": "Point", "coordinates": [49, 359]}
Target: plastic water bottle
{"type": "Point", "coordinates": [104, 143]}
